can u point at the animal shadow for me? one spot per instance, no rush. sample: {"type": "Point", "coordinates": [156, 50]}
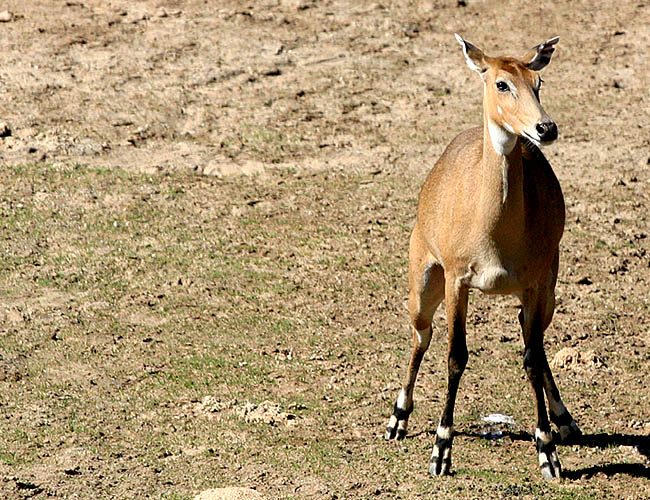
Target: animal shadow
{"type": "Point", "coordinates": [603, 440]}
{"type": "Point", "coordinates": [600, 440]}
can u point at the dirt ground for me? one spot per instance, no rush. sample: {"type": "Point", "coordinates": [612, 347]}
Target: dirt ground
{"type": "Point", "coordinates": [205, 213]}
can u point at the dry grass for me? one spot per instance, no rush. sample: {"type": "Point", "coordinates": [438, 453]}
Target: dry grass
{"type": "Point", "coordinates": [165, 331]}
{"type": "Point", "coordinates": [166, 334]}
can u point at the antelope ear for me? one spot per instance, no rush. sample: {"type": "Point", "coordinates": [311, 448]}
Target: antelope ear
{"type": "Point", "coordinates": [538, 57]}
{"type": "Point", "coordinates": [474, 58]}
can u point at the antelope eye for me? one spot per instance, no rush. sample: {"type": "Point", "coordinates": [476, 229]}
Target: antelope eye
{"type": "Point", "coordinates": [502, 86]}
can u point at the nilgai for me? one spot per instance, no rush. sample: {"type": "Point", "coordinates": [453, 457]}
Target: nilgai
{"type": "Point", "coordinates": [490, 216]}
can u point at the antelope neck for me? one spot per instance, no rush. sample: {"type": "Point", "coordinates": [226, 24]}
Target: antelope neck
{"type": "Point", "coordinates": [502, 178]}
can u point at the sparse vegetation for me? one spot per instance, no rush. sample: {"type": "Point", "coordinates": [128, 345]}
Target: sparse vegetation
{"type": "Point", "coordinates": [170, 326]}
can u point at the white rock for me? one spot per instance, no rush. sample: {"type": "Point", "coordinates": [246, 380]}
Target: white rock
{"type": "Point", "coordinates": [230, 493]}
{"type": "Point", "coordinates": [498, 418]}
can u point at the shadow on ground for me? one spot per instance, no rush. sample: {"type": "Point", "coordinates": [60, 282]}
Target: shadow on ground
{"type": "Point", "coordinates": [603, 440]}
{"type": "Point", "coordinates": [600, 440]}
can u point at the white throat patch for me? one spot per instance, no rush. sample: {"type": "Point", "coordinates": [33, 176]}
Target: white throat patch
{"type": "Point", "coordinates": [503, 141]}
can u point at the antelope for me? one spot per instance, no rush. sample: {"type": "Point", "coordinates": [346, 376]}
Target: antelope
{"type": "Point", "coordinates": [490, 217]}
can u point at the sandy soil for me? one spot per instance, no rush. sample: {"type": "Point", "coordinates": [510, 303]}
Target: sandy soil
{"type": "Point", "coordinates": [243, 90]}
{"type": "Point", "coordinates": [169, 85]}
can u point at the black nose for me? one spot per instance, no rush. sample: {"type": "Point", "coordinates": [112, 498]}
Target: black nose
{"type": "Point", "coordinates": [547, 131]}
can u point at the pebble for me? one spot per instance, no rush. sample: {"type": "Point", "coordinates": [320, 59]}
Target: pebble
{"type": "Point", "coordinates": [5, 131]}
{"type": "Point", "coordinates": [232, 493]}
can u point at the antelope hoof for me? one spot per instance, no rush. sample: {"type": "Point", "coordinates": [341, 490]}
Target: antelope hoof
{"type": "Point", "coordinates": [549, 463]}
{"type": "Point", "coordinates": [440, 463]}
{"type": "Point", "coordinates": [396, 428]}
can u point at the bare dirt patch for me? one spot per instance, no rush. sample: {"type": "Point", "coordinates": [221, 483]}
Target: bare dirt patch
{"type": "Point", "coordinates": [205, 216]}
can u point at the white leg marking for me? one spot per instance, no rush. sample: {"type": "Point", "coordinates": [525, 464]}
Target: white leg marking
{"type": "Point", "coordinates": [544, 437]}
{"type": "Point", "coordinates": [445, 432]}
{"type": "Point", "coordinates": [424, 337]}
{"type": "Point", "coordinates": [401, 400]}
{"type": "Point", "coordinates": [542, 460]}
{"type": "Point", "coordinates": [548, 460]}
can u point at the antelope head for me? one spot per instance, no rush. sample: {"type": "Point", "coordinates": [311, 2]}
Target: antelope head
{"type": "Point", "coordinates": [511, 97]}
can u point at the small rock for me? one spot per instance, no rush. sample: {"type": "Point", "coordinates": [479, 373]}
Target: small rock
{"type": "Point", "coordinates": [230, 169]}
{"type": "Point", "coordinates": [14, 316]}
{"type": "Point", "coordinates": [194, 452]}
{"type": "Point", "coordinates": [5, 131]}
{"type": "Point", "coordinates": [162, 12]}
{"type": "Point", "coordinates": [231, 493]}
{"type": "Point", "coordinates": [572, 359]}
{"type": "Point", "coordinates": [498, 418]}
{"type": "Point", "coordinates": [266, 412]}
{"type": "Point", "coordinates": [272, 72]}
{"type": "Point", "coordinates": [211, 404]}
{"type": "Point", "coordinates": [138, 15]}
{"type": "Point", "coordinates": [6, 16]}
{"type": "Point", "coordinates": [304, 4]}
{"type": "Point", "coordinates": [195, 122]}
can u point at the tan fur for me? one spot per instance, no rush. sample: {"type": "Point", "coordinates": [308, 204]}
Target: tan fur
{"type": "Point", "coordinates": [463, 223]}
{"type": "Point", "coordinates": [490, 216]}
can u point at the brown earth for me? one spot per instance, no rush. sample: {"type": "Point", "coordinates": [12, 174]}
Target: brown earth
{"type": "Point", "coordinates": [283, 142]}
